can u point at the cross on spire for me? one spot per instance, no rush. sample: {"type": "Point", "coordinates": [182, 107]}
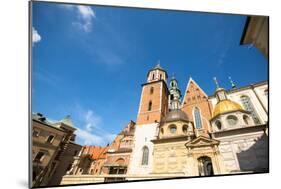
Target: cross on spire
{"type": "Point", "coordinates": [232, 83]}
{"type": "Point", "coordinates": [216, 82]}
{"type": "Point", "coordinates": [158, 64]}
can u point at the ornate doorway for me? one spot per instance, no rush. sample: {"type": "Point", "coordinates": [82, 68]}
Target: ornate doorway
{"type": "Point", "coordinates": [205, 166]}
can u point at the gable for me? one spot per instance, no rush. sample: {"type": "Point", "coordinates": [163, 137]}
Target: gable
{"type": "Point", "coordinates": [201, 141]}
{"type": "Point", "coordinates": [193, 93]}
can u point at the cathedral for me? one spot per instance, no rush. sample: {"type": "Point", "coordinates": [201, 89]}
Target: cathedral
{"type": "Point", "coordinates": [183, 135]}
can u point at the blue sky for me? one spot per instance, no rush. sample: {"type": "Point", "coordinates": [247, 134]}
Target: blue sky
{"type": "Point", "coordinates": [90, 61]}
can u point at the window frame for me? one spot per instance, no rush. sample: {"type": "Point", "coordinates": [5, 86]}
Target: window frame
{"type": "Point", "coordinates": [151, 91]}
{"type": "Point", "coordinates": [219, 127]}
{"type": "Point", "coordinates": [249, 106]}
{"type": "Point", "coordinates": [145, 156]}
{"type": "Point", "coordinates": [197, 118]}
{"type": "Point", "coordinates": [228, 118]}
{"type": "Point", "coordinates": [149, 106]}
{"type": "Point", "coordinates": [50, 142]}
{"type": "Point", "coordinates": [41, 158]}
{"type": "Point", "coordinates": [185, 128]}
{"type": "Point", "coordinates": [35, 130]}
{"type": "Point", "coordinates": [172, 126]}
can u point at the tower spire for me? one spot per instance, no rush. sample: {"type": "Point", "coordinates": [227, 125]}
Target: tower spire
{"type": "Point", "coordinates": [175, 94]}
{"type": "Point", "coordinates": [232, 83]}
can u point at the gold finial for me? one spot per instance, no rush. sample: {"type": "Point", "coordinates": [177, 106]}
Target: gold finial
{"type": "Point", "coordinates": [232, 83]}
{"type": "Point", "coordinates": [216, 82]}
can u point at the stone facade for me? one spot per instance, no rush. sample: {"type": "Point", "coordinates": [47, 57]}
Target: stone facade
{"type": "Point", "coordinates": [53, 150]}
{"type": "Point", "coordinates": [112, 159]}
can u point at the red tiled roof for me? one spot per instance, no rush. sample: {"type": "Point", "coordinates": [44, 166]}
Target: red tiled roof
{"type": "Point", "coordinates": [103, 153]}
{"type": "Point", "coordinates": [96, 152]}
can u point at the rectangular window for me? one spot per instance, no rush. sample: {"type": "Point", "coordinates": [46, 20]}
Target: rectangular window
{"type": "Point", "coordinates": [50, 139]}
{"type": "Point", "coordinates": [39, 157]}
{"type": "Point", "coordinates": [35, 133]}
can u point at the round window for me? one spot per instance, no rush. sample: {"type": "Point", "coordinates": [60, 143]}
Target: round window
{"type": "Point", "coordinates": [173, 129]}
{"type": "Point", "coordinates": [232, 120]}
{"type": "Point", "coordinates": [218, 124]}
{"type": "Point", "coordinates": [184, 129]}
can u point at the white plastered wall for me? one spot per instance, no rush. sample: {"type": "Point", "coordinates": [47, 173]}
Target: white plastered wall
{"type": "Point", "coordinates": [143, 136]}
{"type": "Point", "coordinates": [238, 150]}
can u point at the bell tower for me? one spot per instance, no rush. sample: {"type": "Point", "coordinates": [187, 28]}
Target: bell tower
{"type": "Point", "coordinates": [154, 97]}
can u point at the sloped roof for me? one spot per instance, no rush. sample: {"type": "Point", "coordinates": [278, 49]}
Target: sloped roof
{"type": "Point", "coordinates": [176, 115]}
{"type": "Point", "coordinates": [103, 153]}
{"type": "Point", "coordinates": [67, 121]}
{"type": "Point", "coordinates": [96, 152]}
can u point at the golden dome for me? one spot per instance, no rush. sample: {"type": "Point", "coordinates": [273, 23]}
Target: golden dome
{"type": "Point", "coordinates": [225, 106]}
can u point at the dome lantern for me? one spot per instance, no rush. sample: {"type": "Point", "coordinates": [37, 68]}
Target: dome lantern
{"type": "Point", "coordinates": [220, 92]}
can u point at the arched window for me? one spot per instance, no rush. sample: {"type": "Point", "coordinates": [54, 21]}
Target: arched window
{"type": "Point", "coordinates": [160, 76]}
{"type": "Point", "coordinates": [246, 101]}
{"type": "Point", "coordinates": [218, 124]}
{"type": "Point", "coordinates": [145, 152]}
{"type": "Point", "coordinates": [151, 90]}
{"type": "Point", "coordinates": [162, 131]}
{"type": "Point", "coordinates": [184, 129]}
{"type": "Point", "coordinates": [120, 161]}
{"type": "Point", "coordinates": [149, 106]}
{"type": "Point", "coordinates": [197, 118]}
{"type": "Point", "coordinates": [246, 119]}
{"type": "Point", "coordinates": [231, 120]}
{"type": "Point", "coordinates": [152, 76]}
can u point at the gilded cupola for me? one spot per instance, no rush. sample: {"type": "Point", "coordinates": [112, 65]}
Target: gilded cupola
{"type": "Point", "coordinates": [224, 105]}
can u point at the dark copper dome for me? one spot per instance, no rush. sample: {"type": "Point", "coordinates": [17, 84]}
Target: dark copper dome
{"type": "Point", "coordinates": [176, 115]}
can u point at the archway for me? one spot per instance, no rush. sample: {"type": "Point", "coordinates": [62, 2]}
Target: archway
{"type": "Point", "coordinates": [205, 166]}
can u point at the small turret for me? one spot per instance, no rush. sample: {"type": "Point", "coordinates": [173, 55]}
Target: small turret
{"type": "Point", "coordinates": [175, 94]}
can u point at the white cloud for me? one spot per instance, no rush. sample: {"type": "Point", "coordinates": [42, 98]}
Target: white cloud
{"type": "Point", "coordinates": [88, 138]}
{"type": "Point", "coordinates": [85, 16]}
{"type": "Point", "coordinates": [91, 132]}
{"type": "Point", "coordinates": [92, 120]}
{"type": "Point", "coordinates": [35, 36]}
{"type": "Point", "coordinates": [86, 12]}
